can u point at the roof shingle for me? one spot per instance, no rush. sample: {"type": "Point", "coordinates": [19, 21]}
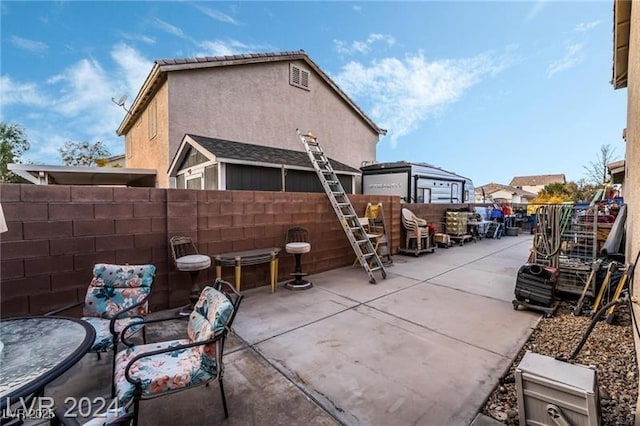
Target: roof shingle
{"type": "Point", "coordinates": [263, 154]}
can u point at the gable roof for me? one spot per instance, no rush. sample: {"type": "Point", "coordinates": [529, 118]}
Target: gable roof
{"type": "Point", "coordinates": [161, 67]}
{"type": "Point", "coordinates": [537, 180]}
{"type": "Point", "coordinates": [244, 153]}
{"type": "Point", "coordinates": [491, 188]}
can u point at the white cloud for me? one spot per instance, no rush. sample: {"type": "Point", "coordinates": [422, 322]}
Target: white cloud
{"type": "Point", "coordinates": [357, 8]}
{"type": "Point", "coordinates": [138, 37]}
{"type": "Point", "coordinates": [571, 58]}
{"type": "Point", "coordinates": [168, 28]}
{"type": "Point", "coordinates": [82, 86]}
{"type": "Point", "coordinates": [216, 14]}
{"type": "Point", "coordinates": [363, 47]}
{"type": "Point", "coordinates": [16, 93]}
{"type": "Point", "coordinates": [583, 27]}
{"type": "Point", "coordinates": [402, 93]}
{"type": "Point", "coordinates": [133, 65]}
{"type": "Point", "coordinates": [30, 45]}
{"type": "Point", "coordinates": [537, 7]}
{"type": "Point", "coordinates": [228, 47]}
{"type": "Point", "coordinates": [76, 103]}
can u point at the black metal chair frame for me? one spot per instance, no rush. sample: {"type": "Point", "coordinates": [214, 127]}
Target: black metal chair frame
{"type": "Point", "coordinates": [235, 298]}
{"type": "Point", "coordinates": [112, 328]}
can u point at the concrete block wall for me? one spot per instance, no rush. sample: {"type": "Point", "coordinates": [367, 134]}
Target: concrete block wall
{"type": "Point", "coordinates": [57, 233]}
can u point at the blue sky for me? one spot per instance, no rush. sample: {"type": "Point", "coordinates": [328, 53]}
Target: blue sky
{"type": "Point", "coordinates": [489, 90]}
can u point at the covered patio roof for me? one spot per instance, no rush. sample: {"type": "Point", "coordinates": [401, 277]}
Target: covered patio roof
{"type": "Point", "coordinates": [81, 175]}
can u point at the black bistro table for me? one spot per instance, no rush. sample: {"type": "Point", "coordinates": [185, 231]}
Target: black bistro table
{"type": "Point", "coordinates": [36, 350]}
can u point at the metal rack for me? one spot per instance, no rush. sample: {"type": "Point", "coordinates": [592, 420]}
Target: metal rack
{"type": "Point", "coordinates": [573, 235]}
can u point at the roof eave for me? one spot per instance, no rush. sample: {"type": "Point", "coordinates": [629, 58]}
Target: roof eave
{"type": "Point", "coordinates": [621, 28]}
{"type": "Point", "coordinates": [138, 102]}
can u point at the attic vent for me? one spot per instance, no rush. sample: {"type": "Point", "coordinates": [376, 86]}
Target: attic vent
{"type": "Point", "coordinates": [298, 77]}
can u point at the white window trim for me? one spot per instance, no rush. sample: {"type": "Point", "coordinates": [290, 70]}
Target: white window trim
{"type": "Point", "coordinates": [194, 176]}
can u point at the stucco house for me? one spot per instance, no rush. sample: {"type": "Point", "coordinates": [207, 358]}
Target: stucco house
{"type": "Point", "coordinates": [495, 192]}
{"type": "Point", "coordinates": [258, 99]}
{"type": "Point", "coordinates": [537, 182]}
{"type": "Point", "coordinates": [626, 74]}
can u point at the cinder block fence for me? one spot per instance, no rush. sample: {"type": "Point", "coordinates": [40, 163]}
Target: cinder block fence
{"type": "Point", "coordinates": [57, 233]}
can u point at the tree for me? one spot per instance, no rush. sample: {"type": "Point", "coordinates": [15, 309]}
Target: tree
{"type": "Point", "coordinates": [597, 170]}
{"type": "Point", "coordinates": [83, 153]}
{"type": "Point", "coordinates": [13, 143]}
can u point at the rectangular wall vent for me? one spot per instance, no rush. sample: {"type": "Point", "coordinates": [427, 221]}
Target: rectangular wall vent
{"type": "Point", "coordinates": [298, 77]}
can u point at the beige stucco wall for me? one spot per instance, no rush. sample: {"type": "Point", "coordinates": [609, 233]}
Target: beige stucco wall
{"type": "Point", "coordinates": [532, 188]}
{"type": "Point", "coordinates": [152, 153]}
{"type": "Point", "coordinates": [256, 104]}
{"type": "Point", "coordinates": [502, 195]}
{"type": "Point", "coordinates": [632, 151]}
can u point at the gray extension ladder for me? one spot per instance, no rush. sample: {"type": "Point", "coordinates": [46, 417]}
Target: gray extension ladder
{"type": "Point", "coordinates": [362, 246]}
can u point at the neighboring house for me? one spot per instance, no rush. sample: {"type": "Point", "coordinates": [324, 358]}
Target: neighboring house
{"type": "Point", "coordinates": [626, 74]}
{"type": "Point", "coordinates": [114, 161]}
{"type": "Point", "coordinates": [257, 99]}
{"type": "Point", "coordinates": [617, 171]}
{"type": "Point", "coordinates": [208, 163]}
{"type": "Point", "coordinates": [495, 192]}
{"type": "Point", "coordinates": [536, 183]}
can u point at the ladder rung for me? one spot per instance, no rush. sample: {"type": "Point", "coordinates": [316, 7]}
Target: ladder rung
{"type": "Point", "coordinates": [343, 204]}
{"type": "Point", "coordinates": [312, 142]}
{"type": "Point", "coordinates": [361, 241]}
{"type": "Point", "coordinates": [377, 268]}
{"type": "Point", "coordinates": [368, 254]}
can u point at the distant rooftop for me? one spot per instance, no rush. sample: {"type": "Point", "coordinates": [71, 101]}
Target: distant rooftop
{"type": "Point", "coordinates": [492, 187]}
{"type": "Point", "coordinates": [537, 180]}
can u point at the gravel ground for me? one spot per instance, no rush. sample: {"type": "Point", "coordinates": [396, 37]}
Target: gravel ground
{"type": "Point", "coordinates": [609, 348]}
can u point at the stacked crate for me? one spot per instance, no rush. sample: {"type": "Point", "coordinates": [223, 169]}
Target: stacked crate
{"type": "Point", "coordinates": [456, 222]}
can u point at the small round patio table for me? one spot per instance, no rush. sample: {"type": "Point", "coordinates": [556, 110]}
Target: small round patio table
{"type": "Point", "coordinates": [36, 350]}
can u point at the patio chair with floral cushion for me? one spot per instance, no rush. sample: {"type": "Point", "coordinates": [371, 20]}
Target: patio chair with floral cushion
{"type": "Point", "coordinates": [157, 369]}
{"type": "Point", "coordinates": [116, 298]}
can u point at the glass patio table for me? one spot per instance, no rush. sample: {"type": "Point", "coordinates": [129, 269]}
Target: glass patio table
{"type": "Point", "coordinates": [36, 350]}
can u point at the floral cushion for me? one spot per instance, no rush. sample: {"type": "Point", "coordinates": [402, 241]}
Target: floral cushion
{"type": "Point", "coordinates": [116, 287]}
{"type": "Point", "coordinates": [210, 314]}
{"type": "Point", "coordinates": [104, 339]}
{"type": "Point", "coordinates": [180, 368]}
{"type": "Point", "coordinates": [160, 373]}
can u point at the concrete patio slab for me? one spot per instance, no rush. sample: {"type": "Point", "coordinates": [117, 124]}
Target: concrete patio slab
{"type": "Point", "coordinates": [498, 285]}
{"type": "Point", "coordinates": [370, 368]}
{"type": "Point", "coordinates": [266, 314]}
{"type": "Point", "coordinates": [425, 346]}
{"type": "Point", "coordinates": [352, 283]}
{"type": "Point", "coordinates": [484, 322]}
{"type": "Point", "coordinates": [256, 394]}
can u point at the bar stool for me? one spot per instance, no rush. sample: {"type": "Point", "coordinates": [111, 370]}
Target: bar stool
{"type": "Point", "coordinates": [297, 244]}
{"type": "Point", "coordinates": [186, 258]}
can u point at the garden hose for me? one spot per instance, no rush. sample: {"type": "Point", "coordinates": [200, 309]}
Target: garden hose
{"type": "Point", "coordinates": [552, 222]}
